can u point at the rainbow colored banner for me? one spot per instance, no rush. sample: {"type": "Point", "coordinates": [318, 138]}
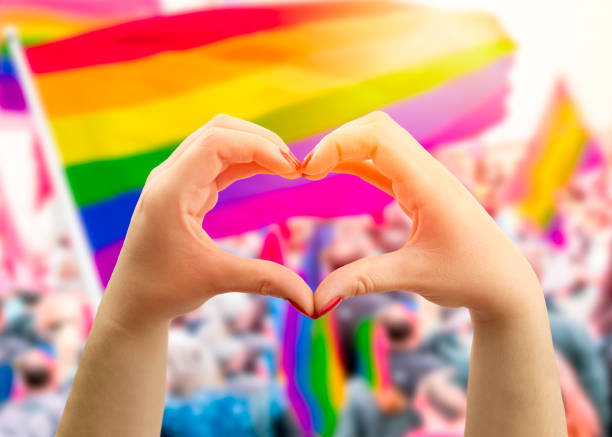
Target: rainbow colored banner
{"type": "Point", "coordinates": [40, 21]}
{"type": "Point", "coordinates": [561, 146]}
{"type": "Point", "coordinates": [311, 360]}
{"type": "Point", "coordinates": [120, 99]}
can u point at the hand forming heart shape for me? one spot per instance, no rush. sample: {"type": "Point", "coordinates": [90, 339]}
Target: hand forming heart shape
{"type": "Point", "coordinates": [172, 266]}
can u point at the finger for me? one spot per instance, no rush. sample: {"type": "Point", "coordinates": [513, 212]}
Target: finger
{"type": "Point", "coordinates": [237, 172]}
{"type": "Point", "coordinates": [228, 122]}
{"type": "Point", "coordinates": [244, 171]}
{"type": "Point", "coordinates": [218, 148]}
{"type": "Point", "coordinates": [366, 171]}
{"type": "Point", "coordinates": [266, 278]}
{"type": "Point", "coordinates": [399, 270]}
{"type": "Point", "coordinates": [392, 150]}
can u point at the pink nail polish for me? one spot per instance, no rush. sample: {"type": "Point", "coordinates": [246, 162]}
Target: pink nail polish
{"type": "Point", "coordinates": [330, 306]}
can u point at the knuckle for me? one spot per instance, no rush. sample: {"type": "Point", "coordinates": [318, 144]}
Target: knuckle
{"type": "Point", "coordinates": [219, 119]}
{"type": "Point", "coordinates": [379, 116]}
{"type": "Point", "coordinates": [264, 287]}
{"type": "Point", "coordinates": [153, 197]}
{"type": "Point", "coordinates": [363, 285]}
{"type": "Point", "coordinates": [153, 174]}
{"type": "Point", "coordinates": [212, 136]}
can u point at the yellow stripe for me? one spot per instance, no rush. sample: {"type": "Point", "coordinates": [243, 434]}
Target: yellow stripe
{"type": "Point", "coordinates": [566, 140]}
{"type": "Point", "coordinates": [138, 128]}
{"type": "Point", "coordinates": [49, 24]}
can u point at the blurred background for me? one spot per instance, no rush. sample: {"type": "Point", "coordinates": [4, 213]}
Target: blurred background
{"type": "Point", "coordinates": [515, 99]}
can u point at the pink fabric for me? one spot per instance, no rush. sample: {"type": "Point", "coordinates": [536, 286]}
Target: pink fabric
{"type": "Point", "coordinates": [44, 186]}
{"type": "Point", "coordinates": [11, 246]}
{"type": "Point", "coordinates": [104, 8]}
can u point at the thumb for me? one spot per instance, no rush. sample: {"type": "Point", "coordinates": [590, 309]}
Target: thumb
{"type": "Point", "coordinates": [269, 279]}
{"type": "Point", "coordinates": [398, 270]}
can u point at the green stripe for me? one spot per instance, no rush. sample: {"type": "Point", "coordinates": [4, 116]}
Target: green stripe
{"type": "Point", "coordinates": [26, 41]}
{"type": "Point", "coordinates": [94, 181]}
{"type": "Point", "coordinates": [321, 360]}
{"type": "Point", "coordinates": [98, 180]}
{"type": "Point", "coordinates": [363, 343]}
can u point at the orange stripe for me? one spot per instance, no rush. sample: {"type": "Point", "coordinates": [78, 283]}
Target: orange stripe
{"type": "Point", "coordinates": [306, 46]}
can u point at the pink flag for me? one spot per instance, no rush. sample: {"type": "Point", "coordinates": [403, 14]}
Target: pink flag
{"type": "Point", "coordinates": [44, 185]}
{"type": "Point", "coordinates": [11, 250]}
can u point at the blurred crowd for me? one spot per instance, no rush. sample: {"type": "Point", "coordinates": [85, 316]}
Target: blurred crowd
{"type": "Point", "coordinates": [223, 360]}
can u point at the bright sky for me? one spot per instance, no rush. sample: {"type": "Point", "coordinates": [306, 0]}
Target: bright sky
{"type": "Point", "coordinates": [572, 38]}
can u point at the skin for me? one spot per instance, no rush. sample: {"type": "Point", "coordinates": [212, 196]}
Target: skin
{"type": "Point", "coordinates": [455, 256]}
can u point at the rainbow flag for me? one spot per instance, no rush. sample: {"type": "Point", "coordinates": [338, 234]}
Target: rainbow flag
{"type": "Point", "coordinates": [561, 146]}
{"type": "Point", "coordinates": [120, 99]}
{"type": "Point", "coordinates": [40, 21]}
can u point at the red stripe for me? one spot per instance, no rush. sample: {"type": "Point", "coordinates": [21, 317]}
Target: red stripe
{"type": "Point", "coordinates": [146, 37]}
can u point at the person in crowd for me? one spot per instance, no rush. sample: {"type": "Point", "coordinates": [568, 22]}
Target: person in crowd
{"type": "Point", "coordinates": [581, 415]}
{"type": "Point", "coordinates": [37, 412]}
{"type": "Point", "coordinates": [17, 334]}
{"type": "Point", "coordinates": [389, 411]}
{"type": "Point", "coordinates": [61, 321]}
{"type": "Point", "coordinates": [441, 407]}
{"type": "Point", "coordinates": [450, 342]}
{"type": "Point", "coordinates": [233, 399]}
{"type": "Point", "coordinates": [579, 350]}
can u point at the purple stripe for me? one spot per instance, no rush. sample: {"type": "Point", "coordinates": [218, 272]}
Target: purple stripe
{"type": "Point", "coordinates": [426, 117]}
{"type": "Point", "coordinates": [11, 97]}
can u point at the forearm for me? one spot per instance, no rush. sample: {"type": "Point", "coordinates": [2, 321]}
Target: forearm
{"type": "Point", "coordinates": [513, 387]}
{"type": "Point", "coordinates": [119, 388]}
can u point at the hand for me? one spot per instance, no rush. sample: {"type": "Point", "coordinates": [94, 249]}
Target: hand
{"type": "Point", "coordinates": [168, 264]}
{"type": "Point", "coordinates": [455, 256]}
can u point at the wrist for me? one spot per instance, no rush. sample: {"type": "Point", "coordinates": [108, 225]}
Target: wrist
{"type": "Point", "coordinates": [511, 303]}
{"type": "Point", "coordinates": [125, 310]}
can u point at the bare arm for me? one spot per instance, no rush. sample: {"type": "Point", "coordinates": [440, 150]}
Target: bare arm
{"type": "Point", "coordinates": [168, 266]}
{"type": "Point", "coordinates": [456, 256]}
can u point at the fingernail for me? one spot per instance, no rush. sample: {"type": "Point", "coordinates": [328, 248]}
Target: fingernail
{"type": "Point", "coordinates": [291, 159]}
{"type": "Point", "coordinates": [307, 159]}
{"type": "Point", "coordinates": [330, 306]}
{"type": "Point", "coordinates": [298, 307]}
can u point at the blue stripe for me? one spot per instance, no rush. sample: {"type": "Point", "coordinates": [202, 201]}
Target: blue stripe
{"type": "Point", "coordinates": [108, 220]}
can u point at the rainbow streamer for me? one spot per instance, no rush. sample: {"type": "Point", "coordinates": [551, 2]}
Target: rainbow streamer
{"type": "Point", "coordinates": [120, 99]}
{"type": "Point", "coordinates": [560, 146]}
{"type": "Point", "coordinates": [311, 361]}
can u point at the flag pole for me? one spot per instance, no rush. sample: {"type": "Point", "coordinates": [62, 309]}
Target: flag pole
{"type": "Point", "coordinates": [68, 207]}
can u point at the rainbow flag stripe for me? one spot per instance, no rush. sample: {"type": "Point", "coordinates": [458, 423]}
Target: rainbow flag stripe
{"type": "Point", "coordinates": [120, 99]}
{"type": "Point", "coordinates": [40, 21]}
{"type": "Point", "coordinates": [551, 159]}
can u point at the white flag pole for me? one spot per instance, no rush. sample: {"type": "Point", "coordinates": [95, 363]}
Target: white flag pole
{"type": "Point", "coordinates": [68, 207]}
